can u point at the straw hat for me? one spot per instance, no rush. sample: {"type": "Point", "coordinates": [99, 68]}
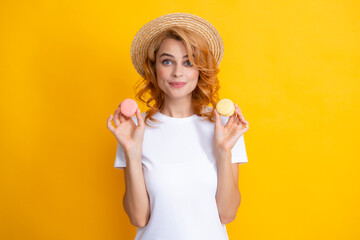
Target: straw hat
{"type": "Point", "coordinates": [147, 33]}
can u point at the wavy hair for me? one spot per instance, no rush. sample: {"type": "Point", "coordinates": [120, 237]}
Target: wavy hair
{"type": "Point", "coordinates": [200, 56]}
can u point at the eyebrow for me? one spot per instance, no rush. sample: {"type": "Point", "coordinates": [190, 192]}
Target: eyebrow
{"type": "Point", "coordinates": [169, 55]}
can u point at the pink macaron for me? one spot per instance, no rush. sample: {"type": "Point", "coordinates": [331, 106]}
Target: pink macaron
{"type": "Point", "coordinates": [128, 107]}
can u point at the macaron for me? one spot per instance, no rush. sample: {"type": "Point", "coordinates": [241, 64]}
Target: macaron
{"type": "Point", "coordinates": [128, 107]}
{"type": "Point", "coordinates": [225, 107]}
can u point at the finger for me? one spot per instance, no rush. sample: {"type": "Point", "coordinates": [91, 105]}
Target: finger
{"type": "Point", "coordinates": [116, 117]}
{"type": "Point", "coordinates": [236, 117]}
{"type": "Point", "coordinates": [139, 118]}
{"type": "Point", "coordinates": [237, 107]}
{"type": "Point", "coordinates": [217, 118]}
{"type": "Point", "coordinates": [121, 116]}
{"type": "Point", "coordinates": [244, 122]}
{"type": "Point", "coordinates": [109, 124]}
{"type": "Point", "coordinates": [240, 116]}
{"type": "Point", "coordinates": [246, 125]}
{"type": "Point", "coordinates": [238, 111]}
{"type": "Point", "coordinates": [244, 128]}
{"type": "Point", "coordinates": [238, 122]}
{"type": "Point", "coordinates": [230, 121]}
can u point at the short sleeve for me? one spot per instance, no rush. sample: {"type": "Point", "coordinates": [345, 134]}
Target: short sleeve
{"type": "Point", "coordinates": [120, 161]}
{"type": "Point", "coordinates": [238, 152]}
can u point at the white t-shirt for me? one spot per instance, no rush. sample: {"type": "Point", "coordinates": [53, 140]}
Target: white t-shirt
{"type": "Point", "coordinates": [181, 178]}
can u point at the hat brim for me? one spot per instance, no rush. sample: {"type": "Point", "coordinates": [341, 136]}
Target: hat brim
{"type": "Point", "coordinates": [192, 22]}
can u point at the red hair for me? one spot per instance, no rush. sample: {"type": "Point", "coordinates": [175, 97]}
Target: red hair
{"type": "Point", "coordinates": [200, 56]}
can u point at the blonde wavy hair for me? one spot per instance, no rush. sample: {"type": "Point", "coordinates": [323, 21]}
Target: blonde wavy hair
{"type": "Point", "coordinates": [200, 56]}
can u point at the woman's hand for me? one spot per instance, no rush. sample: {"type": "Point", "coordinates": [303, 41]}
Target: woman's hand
{"type": "Point", "coordinates": [129, 135]}
{"type": "Point", "coordinates": [226, 136]}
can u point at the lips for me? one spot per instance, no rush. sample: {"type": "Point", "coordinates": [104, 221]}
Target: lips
{"type": "Point", "coordinates": [178, 84]}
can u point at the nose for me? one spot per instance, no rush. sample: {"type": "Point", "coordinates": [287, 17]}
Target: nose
{"type": "Point", "coordinates": [178, 70]}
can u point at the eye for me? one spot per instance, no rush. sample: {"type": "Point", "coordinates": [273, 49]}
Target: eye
{"type": "Point", "coordinates": [166, 60]}
{"type": "Point", "coordinates": [189, 63]}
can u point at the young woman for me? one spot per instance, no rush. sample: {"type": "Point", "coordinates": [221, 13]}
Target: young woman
{"type": "Point", "coordinates": [180, 158]}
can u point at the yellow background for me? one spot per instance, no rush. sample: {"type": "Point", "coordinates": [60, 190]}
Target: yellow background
{"type": "Point", "coordinates": [293, 67]}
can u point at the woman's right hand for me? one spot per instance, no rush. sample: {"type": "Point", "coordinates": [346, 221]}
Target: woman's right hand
{"type": "Point", "coordinates": [129, 135]}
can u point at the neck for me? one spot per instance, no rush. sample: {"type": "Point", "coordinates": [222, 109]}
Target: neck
{"type": "Point", "coordinates": [177, 108]}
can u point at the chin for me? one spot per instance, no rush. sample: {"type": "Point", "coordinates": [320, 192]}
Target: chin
{"type": "Point", "coordinates": [178, 96]}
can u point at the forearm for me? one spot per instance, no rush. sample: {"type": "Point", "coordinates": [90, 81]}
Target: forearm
{"type": "Point", "coordinates": [136, 201]}
{"type": "Point", "coordinates": [227, 195]}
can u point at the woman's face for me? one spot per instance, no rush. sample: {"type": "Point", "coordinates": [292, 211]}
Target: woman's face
{"type": "Point", "coordinates": [176, 76]}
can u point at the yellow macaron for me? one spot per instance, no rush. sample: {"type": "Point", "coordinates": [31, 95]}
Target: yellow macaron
{"type": "Point", "coordinates": [225, 107]}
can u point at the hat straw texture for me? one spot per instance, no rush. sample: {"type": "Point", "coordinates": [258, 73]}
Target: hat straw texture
{"type": "Point", "coordinates": [191, 22]}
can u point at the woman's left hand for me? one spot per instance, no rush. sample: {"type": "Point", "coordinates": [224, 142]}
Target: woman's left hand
{"type": "Point", "coordinates": [226, 136]}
